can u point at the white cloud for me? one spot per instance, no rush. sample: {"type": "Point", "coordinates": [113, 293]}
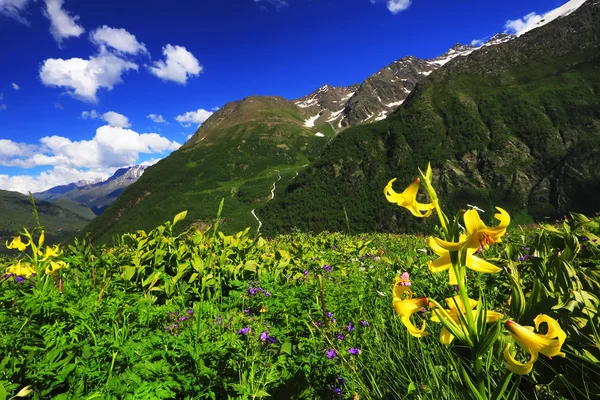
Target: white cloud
{"type": "Point", "coordinates": [2, 107]}
{"type": "Point", "coordinates": [14, 85]}
{"type": "Point", "coordinates": [115, 119]}
{"type": "Point", "coordinates": [90, 114]}
{"type": "Point", "coordinates": [82, 78]}
{"type": "Point", "coordinates": [59, 106]}
{"type": "Point", "coordinates": [216, 108]}
{"type": "Point", "coordinates": [157, 118]}
{"type": "Point", "coordinates": [14, 9]}
{"type": "Point", "coordinates": [477, 42]}
{"type": "Point", "coordinates": [111, 147]}
{"type": "Point", "coordinates": [62, 25]}
{"type": "Point", "coordinates": [179, 65]}
{"type": "Point", "coordinates": [395, 6]}
{"type": "Point", "coordinates": [57, 176]}
{"type": "Point", "coordinates": [193, 117]}
{"type": "Point", "coordinates": [534, 20]}
{"type": "Point", "coordinates": [150, 162]}
{"type": "Point", "coordinates": [118, 39]}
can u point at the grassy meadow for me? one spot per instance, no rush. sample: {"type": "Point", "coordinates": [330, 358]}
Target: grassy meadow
{"type": "Point", "coordinates": [203, 315]}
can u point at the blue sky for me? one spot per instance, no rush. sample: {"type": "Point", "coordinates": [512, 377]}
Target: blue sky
{"type": "Point", "coordinates": [87, 86]}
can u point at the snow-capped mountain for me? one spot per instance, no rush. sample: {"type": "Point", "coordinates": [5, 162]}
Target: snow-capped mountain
{"type": "Point", "coordinates": [97, 194]}
{"type": "Point", "coordinates": [381, 93]}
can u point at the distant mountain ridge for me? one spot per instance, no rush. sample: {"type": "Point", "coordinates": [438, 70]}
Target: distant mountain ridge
{"type": "Point", "coordinates": [97, 194]}
{"type": "Point", "coordinates": [59, 221]}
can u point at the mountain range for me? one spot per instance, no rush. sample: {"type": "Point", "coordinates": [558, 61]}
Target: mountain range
{"type": "Point", "coordinates": [97, 194]}
{"type": "Point", "coordinates": [514, 122]}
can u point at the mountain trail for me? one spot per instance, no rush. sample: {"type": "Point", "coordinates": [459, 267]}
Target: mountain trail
{"type": "Point", "coordinates": [272, 197]}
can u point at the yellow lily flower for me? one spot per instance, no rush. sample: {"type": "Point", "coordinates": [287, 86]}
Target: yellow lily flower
{"type": "Point", "coordinates": [453, 311]}
{"type": "Point", "coordinates": [478, 234]}
{"type": "Point", "coordinates": [408, 199]}
{"type": "Point", "coordinates": [19, 269]}
{"type": "Point", "coordinates": [16, 243]}
{"type": "Point", "coordinates": [443, 248]}
{"type": "Point", "coordinates": [534, 343]}
{"type": "Point", "coordinates": [51, 252]}
{"type": "Point", "coordinates": [41, 240]}
{"type": "Point", "coordinates": [55, 266]}
{"type": "Point", "coordinates": [406, 306]}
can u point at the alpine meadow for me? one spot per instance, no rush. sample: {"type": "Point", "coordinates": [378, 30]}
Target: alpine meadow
{"type": "Point", "coordinates": [430, 230]}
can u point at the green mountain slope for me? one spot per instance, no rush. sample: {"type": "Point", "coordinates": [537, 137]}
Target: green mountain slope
{"type": "Point", "coordinates": [76, 208]}
{"type": "Point", "coordinates": [59, 222]}
{"type": "Point", "coordinates": [238, 154]}
{"type": "Point", "coordinates": [515, 125]}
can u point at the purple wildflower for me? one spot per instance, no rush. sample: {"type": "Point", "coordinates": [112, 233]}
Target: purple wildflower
{"type": "Point", "coordinates": [341, 380]}
{"type": "Point", "coordinates": [246, 311]}
{"type": "Point", "coordinates": [354, 351]}
{"type": "Point", "coordinates": [319, 324]}
{"type": "Point", "coordinates": [329, 314]}
{"type": "Point", "coordinates": [244, 331]}
{"type": "Point", "coordinates": [350, 327]}
{"type": "Point", "coordinates": [19, 279]}
{"type": "Point", "coordinates": [340, 336]}
{"type": "Point", "coordinates": [331, 353]}
{"type": "Point", "coordinates": [364, 322]}
{"type": "Point", "coordinates": [336, 390]}
{"type": "Point", "coordinates": [251, 291]}
{"type": "Point", "coordinates": [327, 268]}
{"type": "Point", "coordinates": [219, 320]}
{"type": "Point", "coordinates": [267, 294]}
{"type": "Point", "coordinates": [190, 311]}
{"type": "Point", "coordinates": [305, 272]}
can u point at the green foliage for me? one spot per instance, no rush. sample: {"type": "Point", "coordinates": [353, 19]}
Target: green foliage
{"type": "Point", "coordinates": [192, 314]}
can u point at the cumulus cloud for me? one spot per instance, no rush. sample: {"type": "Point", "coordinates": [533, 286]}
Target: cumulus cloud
{"type": "Point", "coordinates": [90, 114]}
{"type": "Point", "coordinates": [115, 119]}
{"type": "Point", "coordinates": [111, 147]}
{"type": "Point", "coordinates": [15, 86]}
{"type": "Point", "coordinates": [178, 66]}
{"type": "Point", "coordinates": [62, 24]}
{"type": "Point", "coordinates": [193, 117]}
{"type": "Point", "coordinates": [14, 9]}
{"type": "Point", "coordinates": [54, 177]}
{"type": "Point", "coordinates": [83, 78]}
{"type": "Point", "coordinates": [117, 39]}
{"type": "Point", "coordinates": [2, 105]}
{"type": "Point", "coordinates": [533, 20]}
{"type": "Point", "coordinates": [395, 6]}
{"type": "Point", "coordinates": [157, 118]}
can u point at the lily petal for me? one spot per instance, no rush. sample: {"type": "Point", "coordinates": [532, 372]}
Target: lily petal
{"type": "Point", "coordinates": [516, 367]}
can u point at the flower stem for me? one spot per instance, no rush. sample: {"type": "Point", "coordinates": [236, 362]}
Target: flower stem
{"type": "Point", "coordinates": [479, 381]}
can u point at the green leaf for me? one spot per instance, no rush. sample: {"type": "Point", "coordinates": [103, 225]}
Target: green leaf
{"type": "Point", "coordinates": [286, 348]}
{"type": "Point", "coordinates": [3, 392]}
{"type": "Point", "coordinates": [501, 388]}
{"type": "Point", "coordinates": [128, 273]}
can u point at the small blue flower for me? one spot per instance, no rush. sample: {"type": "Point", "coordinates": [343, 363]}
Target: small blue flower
{"type": "Point", "coordinates": [331, 353]}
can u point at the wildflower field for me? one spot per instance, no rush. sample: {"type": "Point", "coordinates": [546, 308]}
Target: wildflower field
{"type": "Point", "coordinates": [472, 311]}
